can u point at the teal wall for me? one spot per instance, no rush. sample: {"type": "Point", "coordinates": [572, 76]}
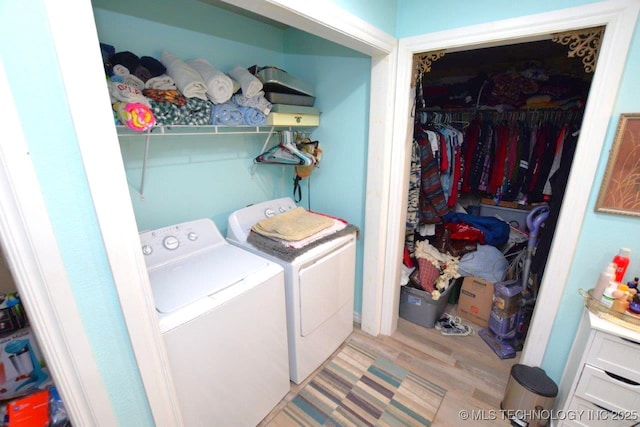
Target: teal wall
{"type": "Point", "coordinates": [342, 82]}
{"type": "Point", "coordinates": [379, 13]}
{"type": "Point", "coordinates": [28, 55]}
{"type": "Point", "coordinates": [417, 17]}
{"type": "Point", "coordinates": [602, 235]}
{"type": "Point", "coordinates": [189, 177]}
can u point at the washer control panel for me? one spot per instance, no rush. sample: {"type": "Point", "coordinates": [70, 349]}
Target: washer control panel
{"type": "Point", "coordinates": [176, 241]}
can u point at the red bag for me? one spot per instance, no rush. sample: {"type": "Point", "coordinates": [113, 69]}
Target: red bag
{"type": "Point", "coordinates": [462, 231]}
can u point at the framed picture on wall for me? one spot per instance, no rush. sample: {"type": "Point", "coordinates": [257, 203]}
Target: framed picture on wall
{"type": "Point", "coordinates": [620, 190]}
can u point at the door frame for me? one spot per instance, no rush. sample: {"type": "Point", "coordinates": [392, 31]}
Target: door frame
{"type": "Point", "coordinates": [619, 17]}
{"type": "Point", "coordinates": [33, 257]}
{"type": "Point", "coordinates": [99, 148]}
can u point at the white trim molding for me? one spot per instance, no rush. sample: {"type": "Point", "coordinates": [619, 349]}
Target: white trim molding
{"type": "Point", "coordinates": [619, 17]}
{"type": "Point", "coordinates": [34, 259]}
{"type": "Point", "coordinates": [100, 151]}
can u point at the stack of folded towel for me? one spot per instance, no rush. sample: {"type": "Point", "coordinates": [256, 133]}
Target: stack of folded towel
{"type": "Point", "coordinates": [178, 92]}
{"type": "Point", "coordinates": [298, 227]}
{"type": "Point", "coordinates": [291, 234]}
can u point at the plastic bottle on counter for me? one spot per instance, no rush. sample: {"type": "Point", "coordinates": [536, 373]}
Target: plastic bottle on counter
{"type": "Point", "coordinates": [622, 262]}
{"type": "Point", "coordinates": [606, 276]}
{"type": "Point", "coordinates": [607, 295]}
{"type": "Point", "coordinates": [621, 301]}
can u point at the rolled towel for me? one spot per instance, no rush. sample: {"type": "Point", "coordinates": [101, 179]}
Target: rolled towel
{"type": "Point", "coordinates": [134, 81]}
{"type": "Point", "coordinates": [219, 85]}
{"type": "Point", "coordinates": [188, 80]}
{"type": "Point", "coordinates": [107, 52]}
{"type": "Point", "coordinates": [253, 117]}
{"type": "Point", "coordinates": [125, 93]}
{"type": "Point", "coordinates": [197, 112]}
{"type": "Point", "coordinates": [126, 58]}
{"type": "Point", "coordinates": [167, 113]}
{"type": "Point", "coordinates": [135, 116]}
{"type": "Point", "coordinates": [227, 114]}
{"type": "Point", "coordinates": [162, 82]}
{"type": "Point", "coordinates": [250, 84]}
{"type": "Point", "coordinates": [258, 102]}
{"type": "Point", "coordinates": [154, 66]}
{"type": "Point", "coordinates": [120, 70]}
{"type": "Point", "coordinates": [142, 73]}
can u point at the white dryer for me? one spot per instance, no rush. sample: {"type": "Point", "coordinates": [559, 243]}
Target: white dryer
{"type": "Point", "coordinates": [221, 312]}
{"type": "Point", "coordinates": [319, 286]}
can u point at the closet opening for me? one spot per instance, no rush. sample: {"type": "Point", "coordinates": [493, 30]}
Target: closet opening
{"type": "Point", "coordinates": [494, 135]}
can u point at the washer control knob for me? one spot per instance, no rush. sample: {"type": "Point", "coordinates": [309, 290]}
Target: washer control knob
{"type": "Point", "coordinates": [147, 249]}
{"type": "Point", "coordinates": [269, 212]}
{"type": "Point", "coordinates": [282, 209]}
{"type": "Point", "coordinates": [171, 243]}
{"type": "Point", "coordinates": [192, 236]}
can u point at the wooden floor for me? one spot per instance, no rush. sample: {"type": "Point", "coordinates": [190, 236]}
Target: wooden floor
{"type": "Point", "coordinates": [474, 377]}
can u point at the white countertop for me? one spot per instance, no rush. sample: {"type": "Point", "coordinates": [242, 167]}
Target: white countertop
{"type": "Point", "coordinates": [612, 328]}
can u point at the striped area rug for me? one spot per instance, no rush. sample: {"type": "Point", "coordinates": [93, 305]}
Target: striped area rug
{"type": "Point", "coordinates": [359, 388]}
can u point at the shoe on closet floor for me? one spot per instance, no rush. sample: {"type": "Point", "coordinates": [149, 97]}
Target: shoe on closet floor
{"type": "Point", "coordinates": [447, 321]}
{"type": "Point", "coordinates": [452, 326]}
{"type": "Point", "coordinates": [459, 330]}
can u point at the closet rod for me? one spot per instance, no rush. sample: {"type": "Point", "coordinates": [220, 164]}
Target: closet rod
{"type": "Point", "coordinates": [492, 111]}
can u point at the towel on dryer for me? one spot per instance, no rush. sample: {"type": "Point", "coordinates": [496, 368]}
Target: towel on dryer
{"type": "Point", "coordinates": [296, 224]}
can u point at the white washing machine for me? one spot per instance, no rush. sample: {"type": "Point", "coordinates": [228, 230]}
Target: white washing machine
{"type": "Point", "coordinates": [222, 315]}
{"type": "Point", "coordinates": [319, 289]}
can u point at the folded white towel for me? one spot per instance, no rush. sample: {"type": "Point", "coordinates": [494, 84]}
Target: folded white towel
{"type": "Point", "coordinates": [258, 102]}
{"type": "Point", "coordinates": [219, 85]}
{"type": "Point", "coordinates": [188, 80]}
{"type": "Point", "coordinates": [132, 80]}
{"type": "Point", "coordinates": [162, 82]}
{"type": "Point", "coordinates": [250, 84]}
{"type": "Point", "coordinates": [120, 70]}
{"type": "Point", "coordinates": [123, 92]}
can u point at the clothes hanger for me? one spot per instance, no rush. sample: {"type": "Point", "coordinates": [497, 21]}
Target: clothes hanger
{"type": "Point", "coordinates": [285, 153]}
{"type": "Point", "coordinates": [290, 146]}
{"type": "Point", "coordinates": [278, 155]}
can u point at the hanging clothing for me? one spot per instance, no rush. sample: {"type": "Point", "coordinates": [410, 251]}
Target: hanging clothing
{"type": "Point", "coordinates": [413, 199]}
{"type": "Point", "coordinates": [432, 200]}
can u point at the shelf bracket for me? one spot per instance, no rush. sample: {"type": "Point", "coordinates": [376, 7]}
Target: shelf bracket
{"type": "Point", "coordinates": [144, 164]}
{"type": "Point", "coordinates": [264, 147]}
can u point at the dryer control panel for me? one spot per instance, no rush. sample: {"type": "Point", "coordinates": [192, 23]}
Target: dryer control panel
{"type": "Point", "coordinates": [240, 222]}
{"type": "Point", "coordinates": [167, 244]}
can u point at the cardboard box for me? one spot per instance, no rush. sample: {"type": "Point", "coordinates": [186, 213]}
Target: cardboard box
{"type": "Point", "coordinates": [22, 367]}
{"type": "Point", "coordinates": [475, 301]}
{"type": "Point", "coordinates": [29, 411]}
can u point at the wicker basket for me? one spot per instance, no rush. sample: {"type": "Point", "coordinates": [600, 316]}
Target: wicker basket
{"type": "Point", "coordinates": [626, 319]}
